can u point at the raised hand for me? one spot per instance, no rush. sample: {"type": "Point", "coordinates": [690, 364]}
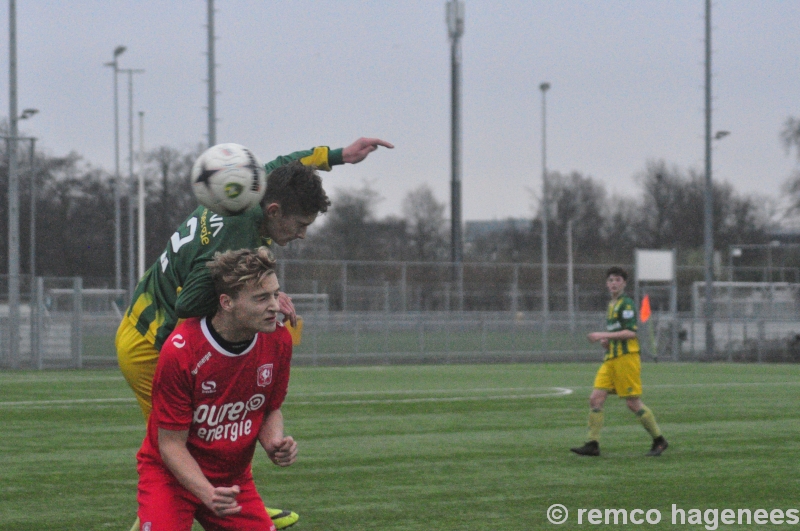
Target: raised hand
{"type": "Point", "coordinates": [358, 150]}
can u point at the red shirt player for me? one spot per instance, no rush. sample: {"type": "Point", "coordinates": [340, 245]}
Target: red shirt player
{"type": "Point", "coordinates": [218, 389]}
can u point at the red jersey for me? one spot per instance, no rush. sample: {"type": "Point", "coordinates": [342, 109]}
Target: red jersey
{"type": "Point", "coordinates": [220, 397]}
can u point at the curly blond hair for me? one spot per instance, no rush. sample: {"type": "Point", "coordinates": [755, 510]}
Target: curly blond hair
{"type": "Point", "coordinates": [233, 270]}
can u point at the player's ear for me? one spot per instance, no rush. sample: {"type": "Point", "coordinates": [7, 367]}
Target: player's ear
{"type": "Point", "coordinates": [272, 210]}
{"type": "Point", "coordinates": [225, 302]}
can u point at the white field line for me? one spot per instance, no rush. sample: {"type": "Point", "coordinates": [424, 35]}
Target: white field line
{"type": "Point", "coordinates": [10, 379]}
{"type": "Point", "coordinates": [76, 401]}
{"type": "Point", "coordinates": [545, 392]}
{"type": "Point", "coordinates": [418, 391]}
{"type": "Point", "coordinates": [549, 391]}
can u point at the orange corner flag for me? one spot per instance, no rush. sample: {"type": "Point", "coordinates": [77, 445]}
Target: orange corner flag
{"type": "Point", "coordinates": [644, 313]}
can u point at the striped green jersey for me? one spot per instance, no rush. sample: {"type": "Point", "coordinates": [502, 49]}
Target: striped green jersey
{"type": "Point", "coordinates": [178, 284]}
{"type": "Point", "coordinates": [621, 315]}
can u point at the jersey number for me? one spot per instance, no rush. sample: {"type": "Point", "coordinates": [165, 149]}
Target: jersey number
{"type": "Point", "coordinates": [178, 242]}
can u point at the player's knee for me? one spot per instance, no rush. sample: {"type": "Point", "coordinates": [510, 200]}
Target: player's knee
{"type": "Point", "coordinates": [634, 404]}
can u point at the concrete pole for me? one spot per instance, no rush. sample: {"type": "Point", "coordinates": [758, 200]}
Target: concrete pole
{"type": "Point", "coordinates": [13, 194]}
{"type": "Point", "coordinates": [212, 90]}
{"type": "Point", "coordinates": [708, 225]}
{"type": "Point", "coordinates": [544, 87]}
{"type": "Point", "coordinates": [141, 261]}
{"type": "Point", "coordinates": [455, 26]}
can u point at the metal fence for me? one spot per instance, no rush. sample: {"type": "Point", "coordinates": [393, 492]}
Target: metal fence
{"type": "Point", "coordinates": [50, 335]}
{"type": "Point", "coordinates": [388, 313]}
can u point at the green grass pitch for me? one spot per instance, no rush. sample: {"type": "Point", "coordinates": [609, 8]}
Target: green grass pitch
{"type": "Point", "coordinates": [448, 447]}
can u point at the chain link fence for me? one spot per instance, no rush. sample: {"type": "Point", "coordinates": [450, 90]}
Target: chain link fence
{"type": "Point", "coordinates": [407, 312]}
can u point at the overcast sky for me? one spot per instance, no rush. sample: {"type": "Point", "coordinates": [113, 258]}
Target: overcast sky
{"type": "Point", "coordinates": [627, 87]}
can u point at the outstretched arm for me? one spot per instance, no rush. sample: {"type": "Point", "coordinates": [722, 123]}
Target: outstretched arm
{"type": "Point", "coordinates": [358, 150]}
{"type": "Point", "coordinates": [324, 158]}
{"type": "Point", "coordinates": [620, 334]}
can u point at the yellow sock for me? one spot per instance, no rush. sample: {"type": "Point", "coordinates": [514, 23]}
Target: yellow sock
{"type": "Point", "coordinates": [595, 424]}
{"type": "Point", "coordinates": [648, 420]}
{"type": "Point", "coordinates": [135, 526]}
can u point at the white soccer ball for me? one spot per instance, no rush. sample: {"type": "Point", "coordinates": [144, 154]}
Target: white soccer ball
{"type": "Point", "coordinates": [228, 179]}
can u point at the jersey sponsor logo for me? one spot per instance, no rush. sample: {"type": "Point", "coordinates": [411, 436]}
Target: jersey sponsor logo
{"type": "Point", "coordinates": [200, 364]}
{"type": "Point", "coordinates": [204, 228]}
{"type": "Point", "coordinates": [627, 314]}
{"type": "Point", "coordinates": [215, 222]}
{"type": "Point", "coordinates": [178, 341]}
{"type": "Point", "coordinates": [209, 387]}
{"type": "Point", "coordinates": [255, 402]}
{"type": "Point", "coordinates": [228, 421]}
{"type": "Point", "coordinates": [265, 375]}
{"type": "Point", "coordinates": [147, 526]}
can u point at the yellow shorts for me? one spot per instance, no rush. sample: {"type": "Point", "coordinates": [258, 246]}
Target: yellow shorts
{"type": "Point", "coordinates": [296, 333]}
{"type": "Point", "coordinates": [621, 376]}
{"type": "Point", "coordinates": [137, 359]}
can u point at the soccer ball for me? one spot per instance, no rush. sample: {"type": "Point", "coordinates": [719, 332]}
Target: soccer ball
{"type": "Point", "coordinates": [228, 179]}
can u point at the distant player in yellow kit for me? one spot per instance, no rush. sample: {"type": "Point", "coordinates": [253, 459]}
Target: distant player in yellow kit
{"type": "Point", "coordinates": [620, 372]}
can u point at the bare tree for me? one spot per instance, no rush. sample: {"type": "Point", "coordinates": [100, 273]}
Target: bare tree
{"type": "Point", "coordinates": [170, 197]}
{"type": "Point", "coordinates": [425, 222]}
{"type": "Point", "coordinates": [351, 231]}
{"type": "Point", "coordinates": [790, 137]}
{"type": "Point", "coordinates": [579, 199]}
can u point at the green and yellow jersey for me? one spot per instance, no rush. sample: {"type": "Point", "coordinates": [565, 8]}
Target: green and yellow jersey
{"type": "Point", "coordinates": [178, 284]}
{"type": "Point", "coordinates": [621, 315]}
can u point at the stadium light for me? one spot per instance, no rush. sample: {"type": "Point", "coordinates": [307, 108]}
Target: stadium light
{"type": "Point", "coordinates": [455, 29]}
{"type": "Point", "coordinates": [131, 185]}
{"type": "Point", "coordinates": [733, 252]}
{"type": "Point", "coordinates": [544, 87]}
{"type": "Point", "coordinates": [212, 76]}
{"type": "Point", "coordinates": [28, 113]}
{"type": "Point", "coordinates": [708, 199]}
{"type": "Point", "coordinates": [141, 196]}
{"type": "Point", "coordinates": [13, 193]}
{"type": "Point", "coordinates": [119, 50]}
{"type": "Point", "coordinates": [12, 144]}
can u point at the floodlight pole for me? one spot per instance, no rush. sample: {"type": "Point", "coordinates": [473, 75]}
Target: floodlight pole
{"type": "Point", "coordinates": [131, 184]}
{"type": "Point", "coordinates": [708, 211]}
{"type": "Point", "coordinates": [544, 87]}
{"type": "Point", "coordinates": [32, 229]}
{"type": "Point", "coordinates": [119, 50]}
{"type": "Point", "coordinates": [570, 279]}
{"type": "Point", "coordinates": [141, 195]}
{"type": "Point", "coordinates": [455, 29]}
{"type": "Point", "coordinates": [33, 195]}
{"type": "Point", "coordinates": [212, 94]}
{"type": "Point", "coordinates": [35, 354]}
{"type": "Point", "coordinates": [13, 194]}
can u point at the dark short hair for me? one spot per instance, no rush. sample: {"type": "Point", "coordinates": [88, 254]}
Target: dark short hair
{"type": "Point", "coordinates": [232, 270]}
{"type": "Point", "coordinates": [297, 188]}
{"type": "Point", "coordinates": [617, 271]}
